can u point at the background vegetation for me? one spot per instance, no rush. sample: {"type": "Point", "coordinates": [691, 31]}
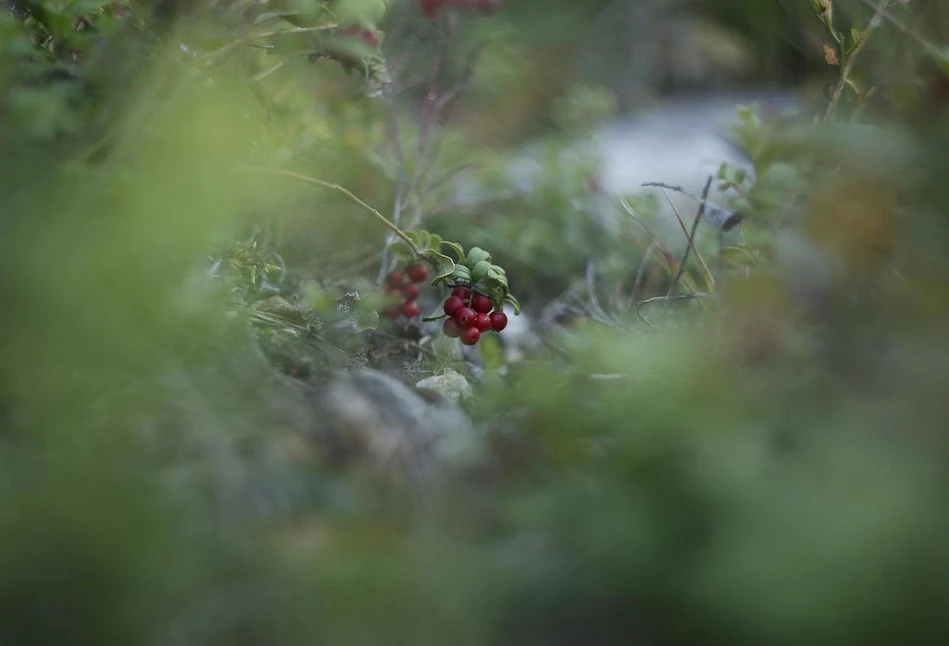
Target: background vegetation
{"type": "Point", "coordinates": [740, 447]}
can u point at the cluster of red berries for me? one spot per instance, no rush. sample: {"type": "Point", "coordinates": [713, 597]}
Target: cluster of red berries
{"type": "Point", "coordinates": [431, 8]}
{"type": "Point", "coordinates": [404, 286]}
{"type": "Point", "coordinates": [469, 315]}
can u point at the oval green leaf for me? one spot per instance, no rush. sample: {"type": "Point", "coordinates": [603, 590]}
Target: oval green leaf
{"type": "Point", "coordinates": [476, 255]}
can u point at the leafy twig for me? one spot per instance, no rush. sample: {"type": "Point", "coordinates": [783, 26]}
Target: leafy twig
{"type": "Point", "coordinates": [850, 59]}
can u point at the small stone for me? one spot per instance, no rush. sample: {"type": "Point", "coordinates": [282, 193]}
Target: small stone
{"type": "Point", "coordinates": [449, 384]}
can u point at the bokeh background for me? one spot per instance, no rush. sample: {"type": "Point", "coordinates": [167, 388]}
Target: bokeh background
{"type": "Point", "coordinates": [746, 451]}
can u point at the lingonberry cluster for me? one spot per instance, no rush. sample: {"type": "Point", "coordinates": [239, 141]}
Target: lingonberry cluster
{"type": "Point", "coordinates": [404, 286]}
{"type": "Point", "coordinates": [469, 315]}
{"type": "Point", "coordinates": [431, 8]}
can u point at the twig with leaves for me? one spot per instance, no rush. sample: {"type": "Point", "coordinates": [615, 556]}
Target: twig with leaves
{"type": "Point", "coordinates": [847, 58]}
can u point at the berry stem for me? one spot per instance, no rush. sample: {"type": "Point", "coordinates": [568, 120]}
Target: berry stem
{"type": "Point", "coordinates": [339, 189]}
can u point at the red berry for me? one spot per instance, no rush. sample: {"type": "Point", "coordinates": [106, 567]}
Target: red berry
{"type": "Point", "coordinates": [452, 305]}
{"type": "Point", "coordinates": [481, 304]}
{"type": "Point", "coordinates": [391, 312]}
{"type": "Point", "coordinates": [465, 316]}
{"type": "Point", "coordinates": [461, 292]}
{"type": "Point", "coordinates": [371, 38]}
{"type": "Point", "coordinates": [395, 279]}
{"type": "Point", "coordinates": [482, 322]}
{"type": "Point", "coordinates": [410, 310]}
{"type": "Point", "coordinates": [411, 292]}
{"type": "Point", "coordinates": [430, 8]}
{"type": "Point", "coordinates": [498, 321]}
{"type": "Point", "coordinates": [451, 328]}
{"type": "Point", "coordinates": [471, 335]}
{"type": "Point", "coordinates": [418, 273]}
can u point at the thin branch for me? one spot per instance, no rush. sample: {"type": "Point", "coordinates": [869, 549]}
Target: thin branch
{"type": "Point", "coordinates": [267, 34]}
{"type": "Point", "coordinates": [393, 131]}
{"type": "Point", "coordinates": [685, 232]}
{"type": "Point", "coordinates": [852, 58]}
{"type": "Point", "coordinates": [339, 189]}
{"type": "Point", "coordinates": [465, 80]}
{"type": "Point", "coordinates": [260, 77]}
{"type": "Point", "coordinates": [691, 240]}
{"type": "Point", "coordinates": [443, 102]}
{"type": "Point", "coordinates": [674, 189]}
{"type": "Point", "coordinates": [930, 48]}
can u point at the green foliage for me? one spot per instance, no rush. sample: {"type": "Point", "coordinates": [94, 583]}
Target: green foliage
{"type": "Point", "coordinates": [768, 468]}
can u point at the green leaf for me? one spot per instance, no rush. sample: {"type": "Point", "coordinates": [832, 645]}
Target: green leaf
{"type": "Point", "coordinates": [499, 282]}
{"type": "Point", "coordinates": [513, 301]}
{"type": "Point", "coordinates": [444, 266]}
{"type": "Point", "coordinates": [855, 36]}
{"type": "Point", "coordinates": [476, 255]}
{"type": "Point", "coordinates": [479, 271]}
{"type": "Point", "coordinates": [462, 273]}
{"type": "Point", "coordinates": [401, 249]}
{"type": "Point", "coordinates": [457, 248]}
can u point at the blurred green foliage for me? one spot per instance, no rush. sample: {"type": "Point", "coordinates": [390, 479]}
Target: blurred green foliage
{"type": "Point", "coordinates": [766, 468]}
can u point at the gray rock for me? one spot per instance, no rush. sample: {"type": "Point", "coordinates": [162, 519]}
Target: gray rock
{"type": "Point", "coordinates": [375, 423]}
{"type": "Point", "coordinates": [449, 384]}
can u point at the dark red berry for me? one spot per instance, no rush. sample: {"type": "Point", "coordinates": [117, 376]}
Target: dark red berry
{"type": "Point", "coordinates": [452, 305]}
{"type": "Point", "coordinates": [430, 8]}
{"type": "Point", "coordinates": [391, 312]}
{"type": "Point", "coordinates": [418, 273]}
{"type": "Point", "coordinates": [451, 328]}
{"type": "Point", "coordinates": [471, 335]}
{"type": "Point", "coordinates": [410, 310]}
{"type": "Point", "coordinates": [482, 322]}
{"type": "Point", "coordinates": [465, 316]}
{"type": "Point", "coordinates": [481, 304]}
{"type": "Point", "coordinates": [371, 38]}
{"type": "Point", "coordinates": [498, 321]}
{"type": "Point", "coordinates": [461, 292]}
{"type": "Point", "coordinates": [411, 292]}
{"type": "Point", "coordinates": [395, 280]}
